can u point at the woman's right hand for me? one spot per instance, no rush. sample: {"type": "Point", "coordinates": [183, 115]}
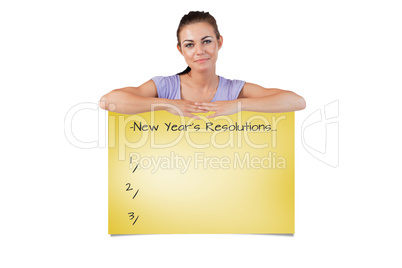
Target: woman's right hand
{"type": "Point", "coordinates": [184, 108]}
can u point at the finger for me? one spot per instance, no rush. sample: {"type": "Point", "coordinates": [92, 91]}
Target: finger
{"type": "Point", "coordinates": [191, 115]}
{"type": "Point", "coordinates": [205, 104]}
{"type": "Point", "coordinates": [213, 115]}
{"type": "Point", "coordinates": [200, 109]}
{"type": "Point", "coordinates": [197, 110]}
{"type": "Point", "coordinates": [207, 108]}
{"type": "Point", "coordinates": [195, 107]}
{"type": "Point", "coordinates": [215, 109]}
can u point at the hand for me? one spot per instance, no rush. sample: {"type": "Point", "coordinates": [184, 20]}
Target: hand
{"type": "Point", "coordinates": [219, 107]}
{"type": "Point", "coordinates": [184, 108]}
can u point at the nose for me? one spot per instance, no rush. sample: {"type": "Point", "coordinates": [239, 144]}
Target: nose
{"type": "Point", "coordinates": [200, 50]}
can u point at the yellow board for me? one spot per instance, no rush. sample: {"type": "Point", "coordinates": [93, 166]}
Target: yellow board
{"type": "Point", "coordinates": [176, 175]}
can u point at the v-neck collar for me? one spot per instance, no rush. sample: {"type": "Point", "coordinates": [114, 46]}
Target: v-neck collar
{"type": "Point", "coordinates": [216, 93]}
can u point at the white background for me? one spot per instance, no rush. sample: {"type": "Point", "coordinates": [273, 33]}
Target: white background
{"type": "Point", "coordinates": [56, 54]}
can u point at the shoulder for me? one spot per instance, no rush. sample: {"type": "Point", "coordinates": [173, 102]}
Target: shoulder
{"type": "Point", "coordinates": [251, 90]}
{"type": "Point", "coordinates": [230, 82]}
{"type": "Point", "coordinates": [167, 86]}
{"type": "Point", "coordinates": [230, 88]}
{"type": "Point", "coordinates": [165, 79]}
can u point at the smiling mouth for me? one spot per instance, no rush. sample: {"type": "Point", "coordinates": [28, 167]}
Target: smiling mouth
{"type": "Point", "coordinates": [202, 60]}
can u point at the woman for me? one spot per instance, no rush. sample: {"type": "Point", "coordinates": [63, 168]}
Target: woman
{"type": "Point", "coordinates": [198, 89]}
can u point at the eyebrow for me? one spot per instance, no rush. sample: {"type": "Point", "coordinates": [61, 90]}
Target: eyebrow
{"type": "Point", "coordinates": [188, 40]}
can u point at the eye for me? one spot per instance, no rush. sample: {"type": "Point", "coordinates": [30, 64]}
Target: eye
{"type": "Point", "coordinates": [208, 41]}
{"type": "Point", "coordinates": [189, 45]}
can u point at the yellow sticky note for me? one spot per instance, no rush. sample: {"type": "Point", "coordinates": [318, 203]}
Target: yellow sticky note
{"type": "Point", "coordinates": [176, 175]}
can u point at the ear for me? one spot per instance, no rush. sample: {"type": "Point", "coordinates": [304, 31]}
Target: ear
{"type": "Point", "coordinates": [220, 42]}
{"type": "Point", "coordinates": [179, 49]}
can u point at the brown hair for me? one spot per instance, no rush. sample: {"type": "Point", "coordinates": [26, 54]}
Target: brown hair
{"type": "Point", "coordinates": [195, 17]}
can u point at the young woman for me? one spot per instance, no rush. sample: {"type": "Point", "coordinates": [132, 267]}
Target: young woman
{"type": "Point", "coordinates": [198, 89]}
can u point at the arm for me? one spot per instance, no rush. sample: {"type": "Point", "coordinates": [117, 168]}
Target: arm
{"type": "Point", "coordinates": [270, 100]}
{"type": "Point", "coordinates": [134, 100]}
{"type": "Point", "coordinates": [257, 99]}
{"type": "Point", "coordinates": [130, 100]}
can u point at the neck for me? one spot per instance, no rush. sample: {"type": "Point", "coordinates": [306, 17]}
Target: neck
{"type": "Point", "coordinates": [203, 81]}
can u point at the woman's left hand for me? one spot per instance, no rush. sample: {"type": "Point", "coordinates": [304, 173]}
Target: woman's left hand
{"type": "Point", "coordinates": [220, 107]}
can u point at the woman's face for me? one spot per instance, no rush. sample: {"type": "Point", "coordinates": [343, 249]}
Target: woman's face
{"type": "Point", "coordinates": [199, 46]}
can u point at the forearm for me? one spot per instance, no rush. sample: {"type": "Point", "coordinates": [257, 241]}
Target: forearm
{"type": "Point", "coordinates": [285, 101]}
{"type": "Point", "coordinates": [124, 102]}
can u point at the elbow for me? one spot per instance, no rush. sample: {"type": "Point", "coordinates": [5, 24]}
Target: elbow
{"type": "Point", "coordinates": [295, 102]}
{"type": "Point", "coordinates": [106, 102]}
{"type": "Point", "coordinates": [103, 102]}
{"type": "Point", "coordinates": [300, 103]}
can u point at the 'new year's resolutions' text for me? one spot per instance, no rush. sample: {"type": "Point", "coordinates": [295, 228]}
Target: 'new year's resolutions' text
{"type": "Point", "coordinates": [209, 126]}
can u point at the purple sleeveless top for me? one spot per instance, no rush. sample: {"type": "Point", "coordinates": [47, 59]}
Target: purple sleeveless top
{"type": "Point", "coordinates": [168, 87]}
